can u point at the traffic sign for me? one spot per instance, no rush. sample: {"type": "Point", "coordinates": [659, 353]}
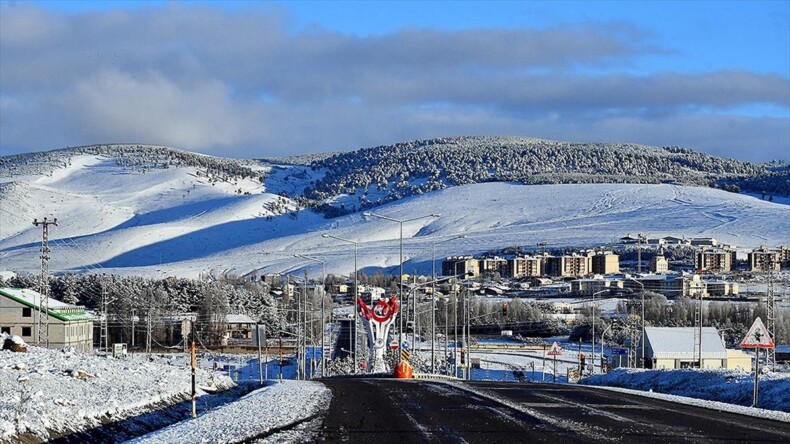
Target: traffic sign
{"type": "Point", "coordinates": [619, 351]}
{"type": "Point", "coordinates": [394, 345]}
{"type": "Point", "coordinates": [405, 344]}
{"type": "Point", "coordinates": [555, 350]}
{"type": "Point", "coordinates": [758, 336]}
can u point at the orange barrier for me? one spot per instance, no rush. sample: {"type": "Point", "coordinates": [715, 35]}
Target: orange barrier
{"type": "Point", "coordinates": [403, 370]}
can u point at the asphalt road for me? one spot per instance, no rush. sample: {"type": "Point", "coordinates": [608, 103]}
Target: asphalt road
{"type": "Point", "coordinates": [406, 411]}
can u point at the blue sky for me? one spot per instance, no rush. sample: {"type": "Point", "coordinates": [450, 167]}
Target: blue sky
{"type": "Point", "coordinates": [256, 79]}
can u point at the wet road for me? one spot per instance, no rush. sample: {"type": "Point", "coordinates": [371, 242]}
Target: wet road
{"type": "Point", "coordinates": [388, 410]}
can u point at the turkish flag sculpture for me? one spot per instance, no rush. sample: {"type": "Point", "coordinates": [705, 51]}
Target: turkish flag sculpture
{"type": "Point", "coordinates": [378, 319]}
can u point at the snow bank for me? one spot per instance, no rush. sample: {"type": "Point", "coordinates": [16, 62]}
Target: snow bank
{"type": "Point", "coordinates": [255, 415]}
{"type": "Point", "coordinates": [726, 386]}
{"type": "Point", "coordinates": [49, 392]}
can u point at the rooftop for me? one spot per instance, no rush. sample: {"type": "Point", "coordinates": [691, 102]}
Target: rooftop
{"type": "Point", "coordinates": [678, 342]}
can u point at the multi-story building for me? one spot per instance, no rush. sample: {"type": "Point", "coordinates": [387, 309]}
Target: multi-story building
{"type": "Point", "coordinates": [719, 288]}
{"type": "Point", "coordinates": [586, 287]}
{"type": "Point", "coordinates": [69, 325]}
{"type": "Point", "coordinates": [605, 262]}
{"type": "Point", "coordinates": [524, 267]}
{"type": "Point", "coordinates": [568, 265]}
{"type": "Point", "coordinates": [454, 265]}
{"type": "Point", "coordinates": [670, 285]}
{"type": "Point", "coordinates": [495, 265]}
{"type": "Point", "coordinates": [659, 264]}
{"type": "Point", "coordinates": [718, 260]}
{"type": "Point", "coordinates": [765, 259]}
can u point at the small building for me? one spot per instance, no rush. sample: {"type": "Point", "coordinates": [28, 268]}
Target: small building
{"type": "Point", "coordinates": [673, 348]}
{"type": "Point", "coordinates": [69, 325]}
{"type": "Point", "coordinates": [704, 242]}
{"type": "Point", "coordinates": [239, 327]}
{"type": "Point", "coordinates": [672, 240]}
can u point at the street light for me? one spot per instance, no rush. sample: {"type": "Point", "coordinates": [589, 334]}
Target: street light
{"type": "Point", "coordinates": [323, 316]}
{"type": "Point", "coordinates": [400, 277]}
{"type": "Point", "coordinates": [433, 296]}
{"type": "Point", "coordinates": [356, 295]}
{"type": "Point", "coordinates": [594, 315]}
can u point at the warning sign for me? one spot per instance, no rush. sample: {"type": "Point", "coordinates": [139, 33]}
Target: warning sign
{"type": "Point", "coordinates": [405, 354]}
{"type": "Point", "coordinates": [555, 350]}
{"type": "Point", "coordinates": [758, 336]}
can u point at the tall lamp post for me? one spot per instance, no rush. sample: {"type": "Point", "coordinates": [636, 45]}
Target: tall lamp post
{"type": "Point", "coordinates": [323, 316]}
{"type": "Point", "coordinates": [356, 295]}
{"type": "Point", "coordinates": [595, 315]}
{"type": "Point", "coordinates": [433, 297]}
{"type": "Point", "coordinates": [400, 278]}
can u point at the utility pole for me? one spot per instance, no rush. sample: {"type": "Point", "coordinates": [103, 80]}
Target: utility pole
{"type": "Point", "coordinates": [639, 238]}
{"type": "Point", "coordinates": [103, 331]}
{"type": "Point", "coordinates": [770, 353]}
{"type": "Point", "coordinates": [43, 303]}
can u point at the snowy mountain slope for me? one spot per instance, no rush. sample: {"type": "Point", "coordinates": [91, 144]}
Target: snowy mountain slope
{"type": "Point", "coordinates": [175, 221]}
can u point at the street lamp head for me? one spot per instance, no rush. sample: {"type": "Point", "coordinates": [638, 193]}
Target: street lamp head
{"type": "Point", "coordinates": [324, 235]}
{"type": "Point", "coordinates": [435, 215]}
{"type": "Point", "coordinates": [367, 214]}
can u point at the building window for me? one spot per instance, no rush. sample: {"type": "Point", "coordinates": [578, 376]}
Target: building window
{"type": "Point", "coordinates": [26, 331]}
{"type": "Point", "coordinates": [5, 330]}
{"type": "Point", "coordinates": [27, 312]}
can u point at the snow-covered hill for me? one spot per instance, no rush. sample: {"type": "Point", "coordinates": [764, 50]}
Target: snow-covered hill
{"type": "Point", "coordinates": [177, 221]}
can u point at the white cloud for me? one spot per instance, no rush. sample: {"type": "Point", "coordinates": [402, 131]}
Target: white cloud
{"type": "Point", "coordinates": [194, 77]}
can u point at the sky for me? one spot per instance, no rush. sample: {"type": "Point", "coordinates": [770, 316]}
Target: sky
{"type": "Point", "coordinates": [256, 79]}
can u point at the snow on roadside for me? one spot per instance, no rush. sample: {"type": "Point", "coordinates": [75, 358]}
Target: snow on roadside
{"type": "Point", "coordinates": [51, 391]}
{"type": "Point", "coordinates": [726, 387]}
{"type": "Point", "coordinates": [257, 413]}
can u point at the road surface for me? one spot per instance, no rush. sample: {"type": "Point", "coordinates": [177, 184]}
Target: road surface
{"type": "Point", "coordinates": [390, 410]}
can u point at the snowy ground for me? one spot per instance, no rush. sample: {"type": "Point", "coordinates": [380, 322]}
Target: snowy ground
{"type": "Point", "coordinates": [39, 395]}
{"type": "Point", "coordinates": [726, 386]}
{"type": "Point", "coordinates": [254, 416]}
{"type": "Point", "coordinates": [172, 222]}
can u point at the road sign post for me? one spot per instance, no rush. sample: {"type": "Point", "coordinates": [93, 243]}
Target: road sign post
{"type": "Point", "coordinates": [757, 338]}
{"type": "Point", "coordinates": [554, 351]}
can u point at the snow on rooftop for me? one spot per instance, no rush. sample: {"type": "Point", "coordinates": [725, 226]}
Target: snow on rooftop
{"type": "Point", "coordinates": [678, 342]}
{"type": "Point", "coordinates": [33, 297]}
{"type": "Point", "coordinates": [239, 319]}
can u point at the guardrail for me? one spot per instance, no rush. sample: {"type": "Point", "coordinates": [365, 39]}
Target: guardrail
{"type": "Point", "coordinates": [434, 376]}
{"type": "Point", "coordinates": [507, 347]}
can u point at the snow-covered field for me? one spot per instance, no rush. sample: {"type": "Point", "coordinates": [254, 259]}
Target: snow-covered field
{"type": "Point", "coordinates": [729, 386]}
{"type": "Point", "coordinates": [253, 416]}
{"type": "Point", "coordinates": [41, 391]}
{"type": "Point", "coordinates": [173, 222]}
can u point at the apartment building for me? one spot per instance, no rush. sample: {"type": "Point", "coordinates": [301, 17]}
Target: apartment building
{"type": "Point", "coordinates": [659, 264]}
{"type": "Point", "coordinates": [717, 260]}
{"type": "Point", "coordinates": [589, 286]}
{"type": "Point", "coordinates": [453, 265]}
{"type": "Point", "coordinates": [605, 262]}
{"type": "Point", "coordinates": [568, 265]}
{"type": "Point", "coordinates": [496, 265]}
{"type": "Point", "coordinates": [765, 259]}
{"type": "Point", "coordinates": [524, 267]}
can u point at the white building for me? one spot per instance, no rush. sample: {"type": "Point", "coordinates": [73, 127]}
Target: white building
{"type": "Point", "coordinates": [69, 325]}
{"type": "Point", "coordinates": [673, 348]}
